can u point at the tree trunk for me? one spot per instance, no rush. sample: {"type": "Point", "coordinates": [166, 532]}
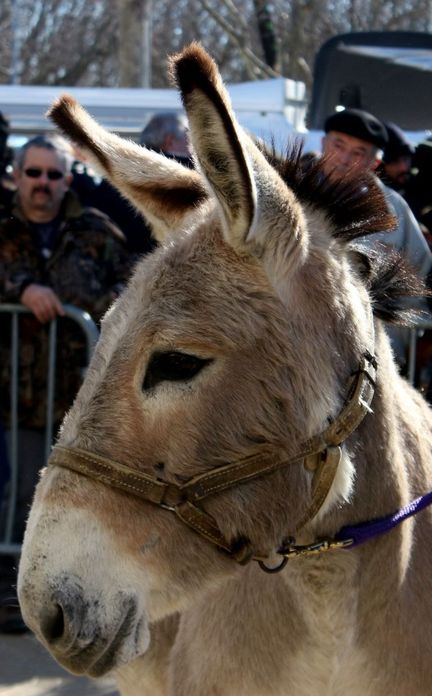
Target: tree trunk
{"type": "Point", "coordinates": [134, 56]}
{"type": "Point", "coordinates": [266, 32]}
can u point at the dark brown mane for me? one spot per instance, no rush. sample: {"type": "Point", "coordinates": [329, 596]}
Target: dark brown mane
{"type": "Point", "coordinates": [390, 281]}
{"type": "Point", "coordinates": [356, 208]}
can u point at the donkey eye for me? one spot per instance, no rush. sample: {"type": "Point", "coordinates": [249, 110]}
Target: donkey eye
{"type": "Point", "coordinates": [172, 367]}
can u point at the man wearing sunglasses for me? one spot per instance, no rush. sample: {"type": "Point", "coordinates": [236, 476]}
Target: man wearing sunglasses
{"type": "Point", "coordinates": [52, 251]}
{"type": "Point", "coordinates": [42, 180]}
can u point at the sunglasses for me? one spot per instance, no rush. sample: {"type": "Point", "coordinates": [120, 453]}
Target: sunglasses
{"type": "Point", "coordinates": [36, 172]}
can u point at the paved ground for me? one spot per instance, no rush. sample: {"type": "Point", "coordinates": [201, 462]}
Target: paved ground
{"type": "Point", "coordinates": [26, 669]}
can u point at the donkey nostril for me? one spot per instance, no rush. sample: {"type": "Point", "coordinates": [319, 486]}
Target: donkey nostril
{"type": "Point", "coordinates": [57, 625]}
{"type": "Point", "coordinates": [53, 626]}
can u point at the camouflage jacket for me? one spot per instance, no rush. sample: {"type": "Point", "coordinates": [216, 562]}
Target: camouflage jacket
{"type": "Point", "coordinates": [88, 266]}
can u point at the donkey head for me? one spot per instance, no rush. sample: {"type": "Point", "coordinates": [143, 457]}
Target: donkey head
{"type": "Point", "coordinates": [237, 335]}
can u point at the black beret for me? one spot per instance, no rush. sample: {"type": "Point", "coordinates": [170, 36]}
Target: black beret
{"type": "Point", "coordinates": [397, 145]}
{"type": "Point", "coordinates": [360, 124]}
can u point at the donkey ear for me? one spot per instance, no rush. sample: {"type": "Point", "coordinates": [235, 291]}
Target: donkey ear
{"type": "Point", "coordinates": [163, 190]}
{"type": "Point", "coordinates": [260, 214]}
{"type": "Point", "coordinates": [216, 141]}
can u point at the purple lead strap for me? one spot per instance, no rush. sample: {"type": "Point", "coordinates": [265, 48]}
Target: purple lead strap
{"type": "Point", "coordinates": [360, 533]}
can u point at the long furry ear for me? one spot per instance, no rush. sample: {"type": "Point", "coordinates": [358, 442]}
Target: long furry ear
{"type": "Point", "coordinates": [260, 214]}
{"type": "Point", "coordinates": [216, 140]}
{"type": "Point", "coordinates": [164, 191]}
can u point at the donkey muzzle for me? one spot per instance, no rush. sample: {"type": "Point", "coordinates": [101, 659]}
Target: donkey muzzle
{"type": "Point", "coordinates": [82, 634]}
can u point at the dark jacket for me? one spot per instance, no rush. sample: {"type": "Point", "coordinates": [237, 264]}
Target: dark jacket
{"type": "Point", "coordinates": [88, 267]}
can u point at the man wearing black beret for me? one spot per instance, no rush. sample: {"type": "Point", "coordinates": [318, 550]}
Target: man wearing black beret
{"type": "Point", "coordinates": [353, 144]}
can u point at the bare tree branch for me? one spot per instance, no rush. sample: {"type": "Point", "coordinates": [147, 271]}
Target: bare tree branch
{"type": "Point", "coordinates": [256, 67]}
{"type": "Point", "coordinates": [76, 41]}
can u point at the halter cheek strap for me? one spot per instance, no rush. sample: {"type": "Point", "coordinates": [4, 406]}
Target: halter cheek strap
{"type": "Point", "coordinates": [320, 454]}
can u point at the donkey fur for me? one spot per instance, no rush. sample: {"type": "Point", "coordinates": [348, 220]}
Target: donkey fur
{"type": "Point", "coordinates": [259, 278]}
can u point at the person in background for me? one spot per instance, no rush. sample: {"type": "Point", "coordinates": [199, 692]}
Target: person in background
{"type": "Point", "coordinates": [52, 251]}
{"type": "Point", "coordinates": [7, 186]}
{"type": "Point", "coordinates": [395, 168]}
{"type": "Point", "coordinates": [85, 181]}
{"type": "Point", "coordinates": [419, 188]}
{"type": "Point", "coordinates": [419, 196]}
{"type": "Point", "coordinates": [165, 133]}
{"type": "Point", "coordinates": [353, 145]}
{"type": "Point", "coordinates": [6, 193]}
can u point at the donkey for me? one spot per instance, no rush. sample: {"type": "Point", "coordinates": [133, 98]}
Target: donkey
{"type": "Point", "coordinates": [242, 413]}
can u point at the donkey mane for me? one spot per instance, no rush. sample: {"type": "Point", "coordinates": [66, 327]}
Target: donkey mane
{"type": "Point", "coordinates": [355, 209]}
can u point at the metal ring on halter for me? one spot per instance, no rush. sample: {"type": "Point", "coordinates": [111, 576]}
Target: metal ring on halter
{"type": "Point", "coordinates": [276, 569]}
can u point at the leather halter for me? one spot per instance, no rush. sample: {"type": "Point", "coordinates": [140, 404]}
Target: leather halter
{"type": "Point", "coordinates": [319, 454]}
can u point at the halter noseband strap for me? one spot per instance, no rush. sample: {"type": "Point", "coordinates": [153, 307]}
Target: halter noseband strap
{"type": "Point", "coordinates": [320, 454]}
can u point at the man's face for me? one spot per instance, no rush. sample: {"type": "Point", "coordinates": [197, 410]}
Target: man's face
{"type": "Point", "coordinates": [42, 183]}
{"type": "Point", "coordinates": [398, 171]}
{"type": "Point", "coordinates": [345, 154]}
{"type": "Point", "coordinates": [177, 145]}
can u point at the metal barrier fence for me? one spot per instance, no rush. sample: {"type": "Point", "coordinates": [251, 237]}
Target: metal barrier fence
{"type": "Point", "coordinates": [91, 334]}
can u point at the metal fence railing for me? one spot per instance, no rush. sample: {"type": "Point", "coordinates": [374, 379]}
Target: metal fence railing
{"type": "Point", "coordinates": [91, 334]}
